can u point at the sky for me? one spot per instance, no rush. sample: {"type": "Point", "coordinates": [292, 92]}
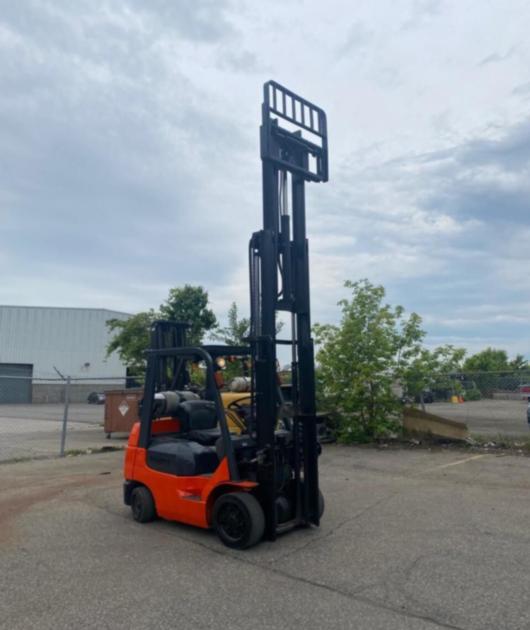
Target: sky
{"type": "Point", "coordinates": [129, 153]}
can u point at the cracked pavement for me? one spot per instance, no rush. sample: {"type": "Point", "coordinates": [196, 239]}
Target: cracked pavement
{"type": "Point", "coordinates": [410, 539]}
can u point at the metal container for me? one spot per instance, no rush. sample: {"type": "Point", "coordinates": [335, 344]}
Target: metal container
{"type": "Point", "coordinates": [121, 410]}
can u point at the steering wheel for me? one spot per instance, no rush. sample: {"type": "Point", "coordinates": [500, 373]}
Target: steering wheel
{"type": "Point", "coordinates": [236, 404]}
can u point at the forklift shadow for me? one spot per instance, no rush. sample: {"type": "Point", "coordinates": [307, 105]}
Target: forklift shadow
{"type": "Point", "coordinates": [287, 543]}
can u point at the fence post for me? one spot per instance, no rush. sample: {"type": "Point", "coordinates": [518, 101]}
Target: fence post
{"type": "Point", "coordinates": [65, 414]}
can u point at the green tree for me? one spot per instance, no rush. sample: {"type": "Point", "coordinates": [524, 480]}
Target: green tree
{"type": "Point", "coordinates": [430, 369]}
{"type": "Point", "coordinates": [518, 363]}
{"type": "Point", "coordinates": [449, 359]}
{"type": "Point", "coordinates": [363, 358]}
{"type": "Point", "coordinates": [132, 336]}
{"type": "Point", "coordinates": [236, 330]}
{"type": "Point", "coordinates": [190, 304]}
{"type": "Point", "coordinates": [489, 360]}
{"type": "Point", "coordinates": [131, 339]}
{"type": "Point", "coordinates": [235, 333]}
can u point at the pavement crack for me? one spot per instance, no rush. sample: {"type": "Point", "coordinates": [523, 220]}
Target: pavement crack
{"type": "Point", "coordinates": [349, 595]}
{"type": "Point", "coordinates": [320, 585]}
{"type": "Point", "coordinates": [315, 541]}
{"type": "Point", "coordinates": [352, 596]}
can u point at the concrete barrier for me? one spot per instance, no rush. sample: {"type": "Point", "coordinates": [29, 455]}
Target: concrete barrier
{"type": "Point", "coordinates": [423, 423]}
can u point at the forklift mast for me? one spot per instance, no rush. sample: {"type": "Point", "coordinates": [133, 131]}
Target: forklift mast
{"type": "Point", "coordinates": [170, 334]}
{"type": "Point", "coordinates": [293, 151]}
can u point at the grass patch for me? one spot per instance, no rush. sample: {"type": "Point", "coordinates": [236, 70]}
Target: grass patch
{"type": "Point", "coordinates": [516, 445]}
{"type": "Point", "coordinates": [74, 452]}
{"type": "Point", "coordinates": [28, 458]}
{"type": "Point", "coordinates": [499, 443]}
{"type": "Point", "coordinates": [479, 444]}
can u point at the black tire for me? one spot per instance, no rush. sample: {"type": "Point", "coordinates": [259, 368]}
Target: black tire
{"type": "Point", "coordinates": [238, 520]}
{"type": "Point", "coordinates": [321, 504]}
{"type": "Point", "coordinates": [142, 505]}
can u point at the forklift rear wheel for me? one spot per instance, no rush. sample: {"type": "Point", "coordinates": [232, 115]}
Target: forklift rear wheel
{"type": "Point", "coordinates": [142, 505]}
{"type": "Point", "coordinates": [238, 519]}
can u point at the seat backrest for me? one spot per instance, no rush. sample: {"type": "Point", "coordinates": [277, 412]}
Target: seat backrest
{"type": "Point", "coordinates": [197, 415]}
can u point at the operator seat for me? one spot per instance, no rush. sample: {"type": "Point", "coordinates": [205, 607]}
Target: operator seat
{"type": "Point", "coordinates": [191, 451]}
{"type": "Point", "coordinates": [197, 417]}
{"type": "Point", "coordinates": [198, 421]}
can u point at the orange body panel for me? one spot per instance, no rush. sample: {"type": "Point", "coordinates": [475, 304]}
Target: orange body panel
{"type": "Point", "coordinates": [184, 499]}
{"type": "Point", "coordinates": [165, 425]}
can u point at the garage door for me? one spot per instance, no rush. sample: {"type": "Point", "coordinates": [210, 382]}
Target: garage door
{"type": "Point", "coordinates": [17, 387]}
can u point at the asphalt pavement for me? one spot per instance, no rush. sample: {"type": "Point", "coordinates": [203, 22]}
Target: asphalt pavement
{"type": "Point", "coordinates": [410, 540]}
{"type": "Point", "coordinates": [487, 416]}
{"type": "Point", "coordinates": [35, 430]}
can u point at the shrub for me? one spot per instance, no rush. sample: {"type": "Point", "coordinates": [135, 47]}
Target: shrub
{"type": "Point", "coordinates": [360, 360]}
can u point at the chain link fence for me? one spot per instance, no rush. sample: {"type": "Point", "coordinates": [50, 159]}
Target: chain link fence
{"type": "Point", "coordinates": [60, 416]}
{"type": "Point", "coordinates": [490, 403]}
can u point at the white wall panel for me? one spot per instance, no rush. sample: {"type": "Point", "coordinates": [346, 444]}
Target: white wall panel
{"type": "Point", "coordinates": [72, 339]}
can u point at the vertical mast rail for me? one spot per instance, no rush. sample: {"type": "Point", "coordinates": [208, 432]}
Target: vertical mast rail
{"type": "Point", "coordinates": [293, 141]}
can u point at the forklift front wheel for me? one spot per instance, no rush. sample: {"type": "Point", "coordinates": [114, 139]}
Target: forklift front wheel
{"type": "Point", "coordinates": [142, 505]}
{"type": "Point", "coordinates": [321, 504]}
{"type": "Point", "coordinates": [238, 519]}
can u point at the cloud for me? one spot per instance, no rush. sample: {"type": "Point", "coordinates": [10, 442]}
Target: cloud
{"type": "Point", "coordinates": [522, 90]}
{"type": "Point", "coordinates": [496, 57]}
{"type": "Point", "coordinates": [129, 153]}
{"type": "Point", "coordinates": [240, 61]}
{"type": "Point", "coordinates": [206, 22]}
{"type": "Point", "coordinates": [422, 11]}
{"type": "Point", "coordinates": [100, 167]}
{"type": "Point", "coordinates": [357, 38]}
{"type": "Point", "coordinates": [445, 230]}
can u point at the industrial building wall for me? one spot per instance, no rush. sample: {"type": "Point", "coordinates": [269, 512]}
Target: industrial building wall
{"type": "Point", "coordinates": [74, 340]}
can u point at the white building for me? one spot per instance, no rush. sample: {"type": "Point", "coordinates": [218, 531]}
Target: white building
{"type": "Point", "coordinates": [39, 342]}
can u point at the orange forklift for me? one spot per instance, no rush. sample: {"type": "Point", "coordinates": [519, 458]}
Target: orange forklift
{"type": "Point", "coordinates": [182, 461]}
